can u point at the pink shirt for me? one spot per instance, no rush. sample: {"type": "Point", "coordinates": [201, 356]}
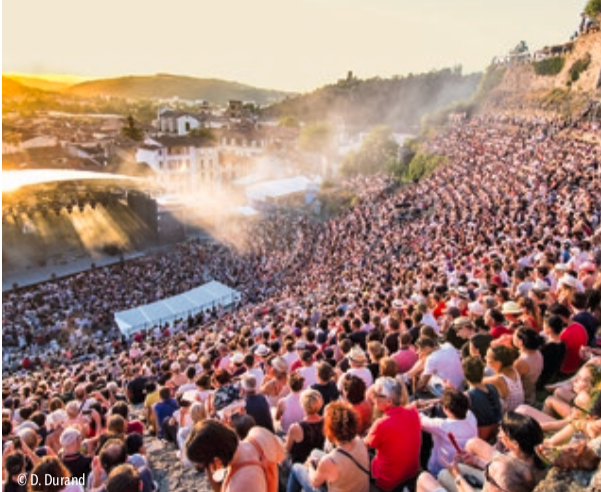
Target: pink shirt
{"type": "Point", "coordinates": [405, 359]}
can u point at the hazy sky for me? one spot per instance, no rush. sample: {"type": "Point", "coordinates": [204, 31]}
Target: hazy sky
{"type": "Point", "coordinates": [283, 44]}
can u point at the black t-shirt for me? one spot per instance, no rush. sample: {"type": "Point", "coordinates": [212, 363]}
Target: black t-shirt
{"type": "Point", "coordinates": [553, 354]}
{"type": "Point", "coordinates": [14, 487]}
{"type": "Point", "coordinates": [137, 388]}
{"type": "Point", "coordinates": [486, 405]}
{"type": "Point", "coordinates": [329, 393]}
{"type": "Point", "coordinates": [374, 368]}
{"type": "Point", "coordinates": [257, 407]}
{"type": "Point", "coordinates": [454, 339]}
{"type": "Point", "coordinates": [359, 338]}
{"type": "Point", "coordinates": [344, 364]}
{"type": "Point", "coordinates": [78, 464]}
{"type": "Point", "coordinates": [391, 342]}
{"type": "Point", "coordinates": [414, 332]}
{"type": "Point", "coordinates": [67, 397]}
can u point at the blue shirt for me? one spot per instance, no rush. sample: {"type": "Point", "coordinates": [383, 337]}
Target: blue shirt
{"type": "Point", "coordinates": [164, 409]}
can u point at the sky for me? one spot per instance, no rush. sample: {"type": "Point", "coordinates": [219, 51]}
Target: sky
{"type": "Point", "coordinates": [295, 45]}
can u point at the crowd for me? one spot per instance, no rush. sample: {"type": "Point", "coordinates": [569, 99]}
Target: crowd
{"type": "Point", "coordinates": [453, 349]}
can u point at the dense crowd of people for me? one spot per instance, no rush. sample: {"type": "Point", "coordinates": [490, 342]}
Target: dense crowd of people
{"type": "Point", "coordinates": [450, 349]}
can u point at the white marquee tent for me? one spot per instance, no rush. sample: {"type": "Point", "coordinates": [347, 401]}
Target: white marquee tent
{"type": "Point", "coordinates": [277, 189]}
{"type": "Point", "coordinates": [181, 306]}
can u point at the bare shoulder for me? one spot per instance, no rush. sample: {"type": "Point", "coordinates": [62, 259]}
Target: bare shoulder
{"type": "Point", "coordinates": [248, 479]}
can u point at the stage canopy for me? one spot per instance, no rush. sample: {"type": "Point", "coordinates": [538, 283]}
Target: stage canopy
{"type": "Point", "coordinates": [13, 180]}
{"type": "Point", "coordinates": [178, 307]}
{"type": "Point", "coordinates": [247, 211]}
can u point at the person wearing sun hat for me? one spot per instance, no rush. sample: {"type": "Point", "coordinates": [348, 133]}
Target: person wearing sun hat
{"type": "Point", "coordinates": [262, 351]}
{"type": "Point", "coordinates": [512, 312]}
{"type": "Point", "coordinates": [358, 361]}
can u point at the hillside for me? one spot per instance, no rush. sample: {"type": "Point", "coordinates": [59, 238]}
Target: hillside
{"type": "Point", "coordinates": [39, 83]}
{"type": "Point", "coordinates": [164, 86]}
{"type": "Point", "coordinates": [399, 102]}
{"type": "Point", "coordinates": [13, 89]}
{"type": "Point", "coordinates": [521, 90]}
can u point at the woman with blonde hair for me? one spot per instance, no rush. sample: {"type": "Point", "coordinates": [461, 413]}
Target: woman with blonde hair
{"type": "Point", "coordinates": [306, 435]}
{"type": "Point", "coordinates": [586, 387]}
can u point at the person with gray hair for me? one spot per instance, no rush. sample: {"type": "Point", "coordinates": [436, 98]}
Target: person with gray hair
{"type": "Point", "coordinates": [77, 464]}
{"type": "Point", "coordinates": [394, 466]}
{"type": "Point", "coordinates": [257, 405]}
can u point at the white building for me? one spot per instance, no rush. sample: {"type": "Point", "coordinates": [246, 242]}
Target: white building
{"type": "Point", "coordinates": [182, 123]}
{"type": "Point", "coordinates": [182, 163]}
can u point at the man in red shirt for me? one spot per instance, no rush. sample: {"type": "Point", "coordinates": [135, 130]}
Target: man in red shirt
{"type": "Point", "coordinates": [495, 320]}
{"type": "Point", "coordinates": [574, 336]}
{"type": "Point", "coordinates": [394, 464]}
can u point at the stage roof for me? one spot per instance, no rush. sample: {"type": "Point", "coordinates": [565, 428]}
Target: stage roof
{"type": "Point", "coordinates": [13, 180]}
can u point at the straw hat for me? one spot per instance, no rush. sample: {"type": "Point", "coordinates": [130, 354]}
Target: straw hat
{"type": "Point", "coordinates": [279, 364]}
{"type": "Point", "coordinates": [511, 308]}
{"type": "Point", "coordinates": [476, 308]}
{"type": "Point", "coordinates": [262, 351]}
{"type": "Point", "coordinates": [357, 355]}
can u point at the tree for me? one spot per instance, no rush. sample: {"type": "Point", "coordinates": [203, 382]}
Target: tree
{"type": "Point", "coordinates": [379, 152]}
{"type": "Point", "coordinates": [317, 138]}
{"type": "Point", "coordinates": [593, 8]}
{"type": "Point", "coordinates": [520, 48]}
{"type": "Point", "coordinates": [203, 133]}
{"type": "Point", "coordinates": [131, 131]}
{"type": "Point", "coordinates": [289, 122]}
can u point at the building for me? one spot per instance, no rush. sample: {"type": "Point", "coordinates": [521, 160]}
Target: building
{"type": "Point", "coordinates": [183, 163]}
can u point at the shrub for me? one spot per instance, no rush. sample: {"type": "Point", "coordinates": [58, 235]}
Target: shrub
{"type": "Point", "coordinates": [423, 164]}
{"type": "Point", "coordinates": [492, 78]}
{"type": "Point", "coordinates": [579, 66]}
{"type": "Point", "coordinates": [550, 66]}
{"type": "Point", "coordinates": [593, 8]}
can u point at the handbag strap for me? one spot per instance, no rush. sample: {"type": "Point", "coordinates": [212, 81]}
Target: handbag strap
{"type": "Point", "coordinates": [372, 482]}
{"type": "Point", "coordinates": [359, 465]}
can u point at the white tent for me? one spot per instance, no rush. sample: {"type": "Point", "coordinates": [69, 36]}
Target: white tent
{"type": "Point", "coordinates": [276, 189]}
{"type": "Point", "coordinates": [181, 306]}
{"type": "Point", "coordinates": [247, 211]}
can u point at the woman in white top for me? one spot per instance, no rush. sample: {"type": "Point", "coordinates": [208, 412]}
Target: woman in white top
{"type": "Point", "coordinates": [290, 410]}
{"type": "Point", "coordinates": [506, 379]}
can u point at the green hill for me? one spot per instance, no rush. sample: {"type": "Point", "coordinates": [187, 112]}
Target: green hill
{"type": "Point", "coordinates": [163, 86]}
{"type": "Point", "coordinates": [399, 102]}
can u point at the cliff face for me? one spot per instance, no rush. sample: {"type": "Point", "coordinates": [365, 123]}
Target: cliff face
{"type": "Point", "coordinates": [522, 90]}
